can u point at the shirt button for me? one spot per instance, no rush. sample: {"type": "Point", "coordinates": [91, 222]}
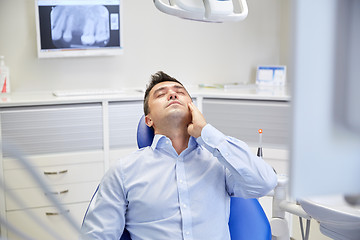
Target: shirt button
{"type": "Point", "coordinates": [181, 181]}
{"type": "Point", "coordinates": [187, 233]}
{"type": "Point", "coordinates": [184, 205]}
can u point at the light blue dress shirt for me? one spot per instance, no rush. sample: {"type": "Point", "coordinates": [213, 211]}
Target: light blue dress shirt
{"type": "Point", "coordinates": [160, 195]}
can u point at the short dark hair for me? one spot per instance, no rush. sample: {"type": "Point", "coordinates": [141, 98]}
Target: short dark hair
{"type": "Point", "coordinates": [156, 78]}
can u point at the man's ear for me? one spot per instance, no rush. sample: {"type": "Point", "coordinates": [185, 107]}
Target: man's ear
{"type": "Point", "coordinates": [148, 121]}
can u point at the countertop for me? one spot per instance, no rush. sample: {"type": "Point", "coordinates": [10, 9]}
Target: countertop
{"type": "Point", "coordinates": [48, 98]}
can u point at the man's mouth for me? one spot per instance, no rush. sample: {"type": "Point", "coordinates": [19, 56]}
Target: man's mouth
{"type": "Point", "coordinates": [174, 102]}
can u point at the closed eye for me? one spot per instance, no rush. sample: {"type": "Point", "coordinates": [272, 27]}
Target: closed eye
{"type": "Point", "coordinates": [160, 95]}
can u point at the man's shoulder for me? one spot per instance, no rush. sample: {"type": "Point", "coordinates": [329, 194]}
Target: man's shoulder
{"type": "Point", "coordinates": [133, 157]}
{"type": "Point", "coordinates": [128, 165]}
{"type": "Point", "coordinates": [139, 152]}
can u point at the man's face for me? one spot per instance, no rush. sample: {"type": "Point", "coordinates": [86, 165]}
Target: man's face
{"type": "Point", "coordinates": [168, 101]}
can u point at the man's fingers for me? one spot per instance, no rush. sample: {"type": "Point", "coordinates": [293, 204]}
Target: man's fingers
{"type": "Point", "coordinates": [198, 121]}
{"type": "Point", "coordinates": [191, 106]}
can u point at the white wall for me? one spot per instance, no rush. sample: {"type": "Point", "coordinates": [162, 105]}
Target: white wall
{"type": "Point", "coordinates": [194, 52]}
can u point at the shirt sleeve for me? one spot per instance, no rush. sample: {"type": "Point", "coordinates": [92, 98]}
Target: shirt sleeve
{"type": "Point", "coordinates": [247, 175]}
{"type": "Point", "coordinates": [105, 217]}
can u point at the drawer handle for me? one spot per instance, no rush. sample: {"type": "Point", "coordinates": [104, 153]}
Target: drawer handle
{"type": "Point", "coordinates": [58, 193]}
{"type": "Point", "coordinates": [56, 173]}
{"type": "Point", "coordinates": [56, 213]}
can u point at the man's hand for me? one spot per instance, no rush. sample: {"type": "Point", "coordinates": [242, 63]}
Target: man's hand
{"type": "Point", "coordinates": [198, 121]}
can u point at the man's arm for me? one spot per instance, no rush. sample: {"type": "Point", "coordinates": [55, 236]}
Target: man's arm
{"type": "Point", "coordinates": [248, 175]}
{"type": "Point", "coordinates": [105, 218]}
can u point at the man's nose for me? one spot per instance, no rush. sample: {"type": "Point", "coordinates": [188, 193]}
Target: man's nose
{"type": "Point", "coordinates": [172, 95]}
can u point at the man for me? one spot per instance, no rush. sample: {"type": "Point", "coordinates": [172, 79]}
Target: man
{"type": "Point", "coordinates": [180, 186]}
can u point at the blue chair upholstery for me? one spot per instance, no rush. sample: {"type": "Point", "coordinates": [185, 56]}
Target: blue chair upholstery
{"type": "Point", "coordinates": [248, 220]}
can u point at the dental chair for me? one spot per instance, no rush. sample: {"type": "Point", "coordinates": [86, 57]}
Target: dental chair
{"type": "Point", "coordinates": [247, 219]}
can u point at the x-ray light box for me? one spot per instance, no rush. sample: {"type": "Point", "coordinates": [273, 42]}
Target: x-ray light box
{"type": "Point", "coordinates": [72, 28]}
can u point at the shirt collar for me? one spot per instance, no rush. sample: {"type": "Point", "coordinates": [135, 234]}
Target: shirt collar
{"type": "Point", "coordinates": [161, 141]}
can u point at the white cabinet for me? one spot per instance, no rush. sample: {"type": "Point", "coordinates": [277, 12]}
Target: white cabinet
{"type": "Point", "coordinates": [243, 118]}
{"type": "Point", "coordinates": [63, 144]}
{"type": "Point", "coordinates": [54, 128]}
{"type": "Point", "coordinates": [54, 222]}
{"type": "Point", "coordinates": [123, 121]}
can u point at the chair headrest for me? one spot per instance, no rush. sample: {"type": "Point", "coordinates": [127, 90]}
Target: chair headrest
{"type": "Point", "coordinates": [145, 134]}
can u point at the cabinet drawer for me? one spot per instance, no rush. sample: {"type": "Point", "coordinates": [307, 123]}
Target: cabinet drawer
{"type": "Point", "coordinates": [53, 128]}
{"type": "Point", "coordinates": [36, 197]}
{"type": "Point", "coordinates": [122, 127]}
{"type": "Point", "coordinates": [52, 220]}
{"type": "Point", "coordinates": [55, 159]}
{"type": "Point", "coordinates": [56, 175]}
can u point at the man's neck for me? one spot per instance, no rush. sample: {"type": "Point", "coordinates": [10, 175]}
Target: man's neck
{"type": "Point", "coordinates": [178, 136]}
{"type": "Point", "coordinates": [180, 142]}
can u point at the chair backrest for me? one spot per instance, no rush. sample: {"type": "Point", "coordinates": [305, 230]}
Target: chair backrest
{"type": "Point", "coordinates": [145, 134]}
{"type": "Point", "coordinates": [247, 218]}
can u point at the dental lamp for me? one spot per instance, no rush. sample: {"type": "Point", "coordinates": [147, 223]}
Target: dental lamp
{"type": "Point", "coordinates": [205, 10]}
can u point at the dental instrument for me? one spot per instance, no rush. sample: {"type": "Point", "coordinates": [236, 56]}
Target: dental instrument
{"type": "Point", "coordinates": [259, 151]}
